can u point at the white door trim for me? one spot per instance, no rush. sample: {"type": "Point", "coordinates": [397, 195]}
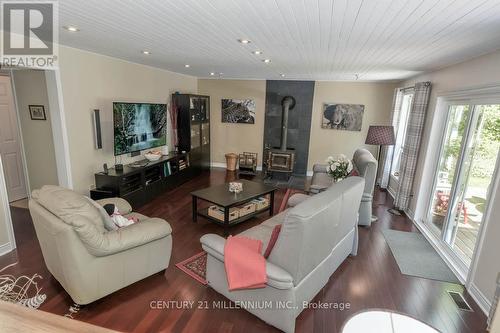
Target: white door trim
{"type": "Point", "coordinates": [4, 201]}
{"type": "Point", "coordinates": [59, 130]}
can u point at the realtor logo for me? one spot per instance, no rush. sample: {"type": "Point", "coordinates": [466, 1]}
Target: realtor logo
{"type": "Point", "coordinates": [29, 34]}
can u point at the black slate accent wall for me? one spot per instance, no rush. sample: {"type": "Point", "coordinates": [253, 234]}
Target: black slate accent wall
{"type": "Point", "coordinates": [299, 119]}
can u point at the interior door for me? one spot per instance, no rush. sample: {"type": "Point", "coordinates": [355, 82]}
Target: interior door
{"type": "Point", "coordinates": [10, 147]}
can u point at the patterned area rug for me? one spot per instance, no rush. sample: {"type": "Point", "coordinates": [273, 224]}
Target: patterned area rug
{"type": "Point", "coordinates": [195, 267]}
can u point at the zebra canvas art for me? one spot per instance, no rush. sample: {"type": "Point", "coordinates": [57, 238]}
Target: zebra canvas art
{"type": "Point", "coordinates": [348, 117]}
{"type": "Point", "coordinates": [238, 111]}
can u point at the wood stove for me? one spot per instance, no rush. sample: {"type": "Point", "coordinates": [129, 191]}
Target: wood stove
{"type": "Point", "coordinates": [280, 161]}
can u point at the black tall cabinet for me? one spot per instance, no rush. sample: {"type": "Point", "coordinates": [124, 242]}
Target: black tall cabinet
{"type": "Point", "coordinates": [193, 127]}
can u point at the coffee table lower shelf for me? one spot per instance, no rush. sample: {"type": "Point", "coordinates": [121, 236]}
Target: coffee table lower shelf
{"type": "Point", "coordinates": [204, 213]}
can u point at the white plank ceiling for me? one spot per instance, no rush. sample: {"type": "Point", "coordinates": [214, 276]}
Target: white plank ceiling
{"type": "Point", "coordinates": [305, 39]}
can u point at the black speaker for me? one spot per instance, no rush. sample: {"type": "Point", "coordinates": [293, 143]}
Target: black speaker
{"type": "Point", "coordinates": [97, 129]}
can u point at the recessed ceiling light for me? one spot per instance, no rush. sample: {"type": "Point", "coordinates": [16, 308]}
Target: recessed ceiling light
{"type": "Point", "coordinates": [282, 75]}
{"type": "Point", "coordinates": [212, 73]}
{"type": "Point", "coordinates": [257, 52]}
{"type": "Point", "coordinates": [187, 66]}
{"type": "Point", "coordinates": [71, 28]}
{"type": "Point", "coordinates": [244, 41]}
{"type": "Point", "coordinates": [267, 61]}
{"type": "Point", "coordinates": [145, 52]}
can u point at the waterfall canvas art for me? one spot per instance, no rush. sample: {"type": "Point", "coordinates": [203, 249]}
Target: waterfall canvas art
{"type": "Point", "coordinates": [348, 117]}
{"type": "Point", "coordinates": [139, 126]}
{"type": "Point", "coordinates": [238, 111]}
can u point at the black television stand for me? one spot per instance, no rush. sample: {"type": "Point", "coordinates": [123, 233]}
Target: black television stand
{"type": "Point", "coordinates": [139, 164]}
{"type": "Point", "coordinates": [140, 184]}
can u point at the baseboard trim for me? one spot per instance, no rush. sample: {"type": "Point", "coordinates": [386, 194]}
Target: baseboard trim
{"type": "Point", "coordinates": [481, 300]}
{"type": "Point", "coordinates": [391, 192]}
{"type": "Point", "coordinates": [5, 248]}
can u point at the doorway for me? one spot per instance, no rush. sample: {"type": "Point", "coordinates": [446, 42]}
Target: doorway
{"type": "Point", "coordinates": [57, 139]}
{"type": "Point", "coordinates": [463, 177]}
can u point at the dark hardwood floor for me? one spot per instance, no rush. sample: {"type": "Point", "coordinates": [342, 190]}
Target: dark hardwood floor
{"type": "Point", "coordinates": [370, 280]}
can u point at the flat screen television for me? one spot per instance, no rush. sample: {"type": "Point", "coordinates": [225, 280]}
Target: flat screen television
{"type": "Point", "coordinates": [139, 126]}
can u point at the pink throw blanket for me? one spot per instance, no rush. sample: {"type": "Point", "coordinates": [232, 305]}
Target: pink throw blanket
{"type": "Point", "coordinates": [245, 265]}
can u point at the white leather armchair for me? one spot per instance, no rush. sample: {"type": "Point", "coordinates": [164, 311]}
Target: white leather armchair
{"type": "Point", "coordinates": [88, 261]}
{"type": "Point", "coordinates": [366, 166]}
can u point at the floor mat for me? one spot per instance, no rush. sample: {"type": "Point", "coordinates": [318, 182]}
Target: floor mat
{"type": "Point", "coordinates": [415, 256]}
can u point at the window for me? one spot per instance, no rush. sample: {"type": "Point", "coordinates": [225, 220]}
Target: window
{"type": "Point", "coordinates": [400, 127]}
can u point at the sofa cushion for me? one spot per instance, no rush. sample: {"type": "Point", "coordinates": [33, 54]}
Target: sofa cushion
{"type": "Point", "coordinates": [259, 232]}
{"type": "Point", "coordinates": [275, 220]}
{"type": "Point", "coordinates": [69, 206]}
{"type": "Point", "coordinates": [313, 228]}
{"type": "Point", "coordinates": [297, 198]}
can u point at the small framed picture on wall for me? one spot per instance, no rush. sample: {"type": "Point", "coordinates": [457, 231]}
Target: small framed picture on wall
{"type": "Point", "coordinates": [37, 112]}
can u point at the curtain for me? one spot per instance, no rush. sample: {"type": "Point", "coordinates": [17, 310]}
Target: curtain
{"type": "Point", "coordinates": [411, 147]}
{"type": "Point", "coordinates": [386, 153]}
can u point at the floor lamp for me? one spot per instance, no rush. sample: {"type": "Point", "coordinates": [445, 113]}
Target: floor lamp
{"type": "Point", "coordinates": [380, 136]}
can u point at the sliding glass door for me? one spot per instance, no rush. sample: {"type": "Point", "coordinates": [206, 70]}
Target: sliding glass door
{"type": "Point", "coordinates": [464, 173]}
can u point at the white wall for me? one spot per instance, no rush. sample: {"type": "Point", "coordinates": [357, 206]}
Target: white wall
{"type": "Point", "coordinates": [484, 70]}
{"type": "Point", "coordinates": [235, 138]}
{"type": "Point", "coordinates": [31, 89]}
{"type": "Point", "coordinates": [91, 81]}
{"type": "Point", "coordinates": [375, 96]}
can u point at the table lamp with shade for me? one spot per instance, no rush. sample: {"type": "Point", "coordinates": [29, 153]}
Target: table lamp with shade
{"type": "Point", "coordinates": [380, 136]}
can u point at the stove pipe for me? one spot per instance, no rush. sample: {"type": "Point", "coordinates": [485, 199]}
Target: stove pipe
{"type": "Point", "coordinates": [287, 104]}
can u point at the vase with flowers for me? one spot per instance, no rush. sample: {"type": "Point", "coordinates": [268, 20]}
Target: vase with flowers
{"type": "Point", "coordinates": [338, 168]}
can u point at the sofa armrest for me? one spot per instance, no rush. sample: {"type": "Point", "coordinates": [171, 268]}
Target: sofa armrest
{"type": "Point", "coordinates": [123, 206]}
{"type": "Point", "coordinates": [214, 245]}
{"type": "Point", "coordinates": [297, 198]}
{"type": "Point", "coordinates": [137, 234]}
{"type": "Point", "coordinates": [321, 168]}
{"type": "Point", "coordinates": [277, 277]}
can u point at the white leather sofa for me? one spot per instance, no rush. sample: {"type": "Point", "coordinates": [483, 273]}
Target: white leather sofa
{"type": "Point", "coordinates": [88, 261]}
{"type": "Point", "coordinates": [316, 237]}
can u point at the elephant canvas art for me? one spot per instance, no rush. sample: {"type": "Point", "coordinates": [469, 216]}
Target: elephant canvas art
{"type": "Point", "coordinates": [348, 117]}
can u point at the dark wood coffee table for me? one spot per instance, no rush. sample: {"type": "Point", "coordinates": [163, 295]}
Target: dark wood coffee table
{"type": "Point", "coordinates": [219, 195]}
